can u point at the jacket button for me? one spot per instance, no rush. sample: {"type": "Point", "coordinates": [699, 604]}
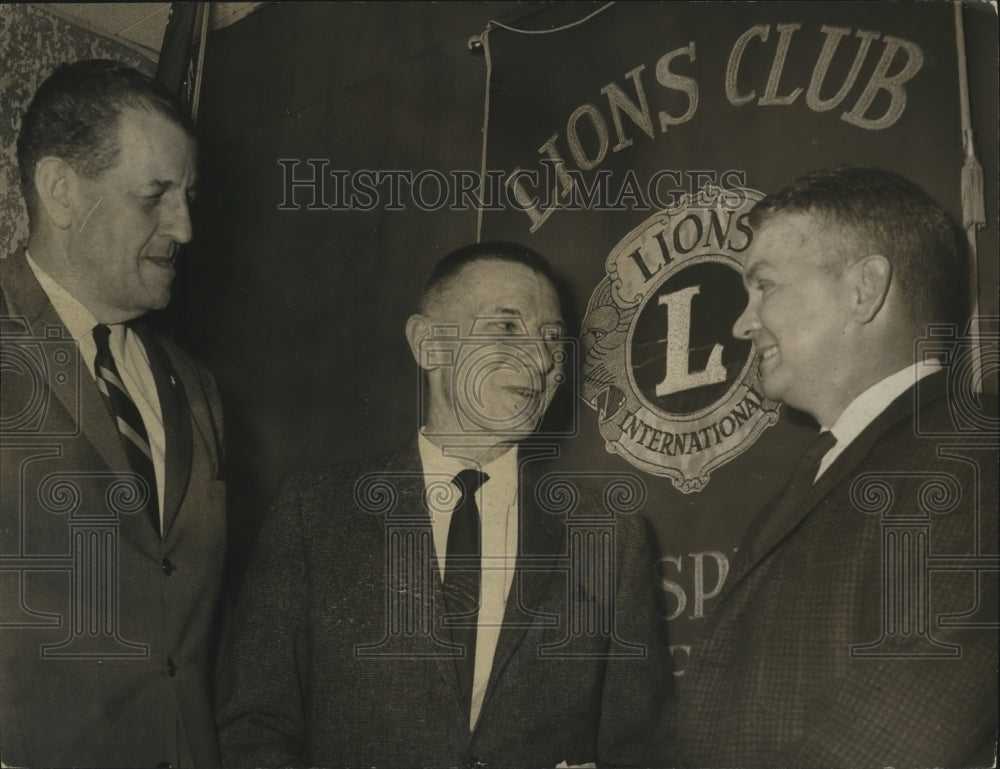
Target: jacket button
{"type": "Point", "coordinates": [475, 763]}
{"type": "Point", "coordinates": [164, 765]}
{"type": "Point", "coordinates": [168, 567]}
{"type": "Point", "coordinates": [171, 668]}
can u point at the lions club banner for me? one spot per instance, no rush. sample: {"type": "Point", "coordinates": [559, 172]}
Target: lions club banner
{"type": "Point", "coordinates": [631, 144]}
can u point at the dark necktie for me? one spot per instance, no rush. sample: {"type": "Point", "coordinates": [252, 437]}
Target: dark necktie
{"type": "Point", "coordinates": [127, 418]}
{"type": "Point", "coordinates": [775, 517]}
{"type": "Point", "coordinates": [462, 577]}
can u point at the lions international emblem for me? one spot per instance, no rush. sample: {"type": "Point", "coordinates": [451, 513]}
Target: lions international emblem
{"type": "Point", "coordinates": [675, 393]}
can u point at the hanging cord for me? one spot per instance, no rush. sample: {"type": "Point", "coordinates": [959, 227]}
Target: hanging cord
{"type": "Point", "coordinates": [481, 44]}
{"type": "Point", "coordinates": [973, 203]}
{"type": "Point", "coordinates": [484, 42]}
{"type": "Point", "coordinates": [205, 9]}
{"type": "Point", "coordinates": [576, 23]}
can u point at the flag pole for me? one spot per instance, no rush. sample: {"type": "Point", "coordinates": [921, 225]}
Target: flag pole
{"type": "Point", "coordinates": [973, 202]}
{"type": "Point", "coordinates": [182, 53]}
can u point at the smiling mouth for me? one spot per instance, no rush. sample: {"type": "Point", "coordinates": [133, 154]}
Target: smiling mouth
{"type": "Point", "coordinates": [524, 392]}
{"type": "Point", "coordinates": [768, 352]}
{"type": "Point", "coordinates": [163, 261]}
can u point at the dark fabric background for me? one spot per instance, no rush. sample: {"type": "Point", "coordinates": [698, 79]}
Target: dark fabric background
{"type": "Point", "coordinates": [539, 80]}
{"type": "Point", "coordinates": [300, 314]}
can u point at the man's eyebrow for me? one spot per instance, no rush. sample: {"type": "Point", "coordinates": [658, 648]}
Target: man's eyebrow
{"type": "Point", "coordinates": [158, 185]}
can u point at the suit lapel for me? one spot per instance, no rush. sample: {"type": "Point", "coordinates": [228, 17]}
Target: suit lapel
{"type": "Point", "coordinates": [902, 408]}
{"type": "Point", "coordinates": [541, 535]}
{"type": "Point", "coordinates": [81, 399]}
{"type": "Point", "coordinates": [408, 482]}
{"type": "Point", "coordinates": [176, 425]}
{"type": "Point", "coordinates": [748, 559]}
{"type": "Point", "coordinates": [541, 539]}
{"type": "Point", "coordinates": [78, 395]}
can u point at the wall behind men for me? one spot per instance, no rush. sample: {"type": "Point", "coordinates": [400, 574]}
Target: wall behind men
{"type": "Point", "coordinates": [33, 42]}
{"type": "Point", "coordinates": [710, 92]}
{"type": "Point", "coordinates": [300, 314]}
{"type": "Point", "coordinates": [298, 306]}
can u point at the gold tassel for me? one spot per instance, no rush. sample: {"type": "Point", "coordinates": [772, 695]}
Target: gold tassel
{"type": "Point", "coordinates": [973, 204]}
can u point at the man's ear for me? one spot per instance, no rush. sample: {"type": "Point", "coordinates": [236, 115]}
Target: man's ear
{"type": "Point", "coordinates": [872, 276]}
{"type": "Point", "coordinates": [417, 329]}
{"type": "Point", "coordinates": [53, 185]}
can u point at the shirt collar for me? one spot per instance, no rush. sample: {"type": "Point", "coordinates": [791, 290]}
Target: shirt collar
{"type": "Point", "coordinates": [502, 470]}
{"type": "Point", "coordinates": [79, 321]}
{"type": "Point", "coordinates": [863, 410]}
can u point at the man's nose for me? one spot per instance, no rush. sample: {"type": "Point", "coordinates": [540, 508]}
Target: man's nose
{"type": "Point", "coordinates": [175, 220]}
{"type": "Point", "coordinates": [747, 323]}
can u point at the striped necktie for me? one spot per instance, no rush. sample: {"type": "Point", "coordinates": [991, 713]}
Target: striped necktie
{"type": "Point", "coordinates": [127, 418]}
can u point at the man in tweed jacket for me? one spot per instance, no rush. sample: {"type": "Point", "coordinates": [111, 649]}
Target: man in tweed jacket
{"type": "Point", "coordinates": [859, 625]}
{"type": "Point", "coordinates": [343, 651]}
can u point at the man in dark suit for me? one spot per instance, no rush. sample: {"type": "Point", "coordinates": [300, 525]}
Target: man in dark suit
{"type": "Point", "coordinates": [376, 629]}
{"type": "Point", "coordinates": [112, 516]}
{"type": "Point", "coordinates": [858, 627]}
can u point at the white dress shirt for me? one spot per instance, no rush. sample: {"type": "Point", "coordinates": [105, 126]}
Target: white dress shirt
{"type": "Point", "coordinates": [130, 359]}
{"type": "Point", "coordinates": [497, 503]}
{"type": "Point", "coordinates": [863, 410]}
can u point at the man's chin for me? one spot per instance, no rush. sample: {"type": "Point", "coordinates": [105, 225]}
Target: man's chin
{"type": "Point", "coordinates": [154, 296]}
{"type": "Point", "coordinates": [771, 388]}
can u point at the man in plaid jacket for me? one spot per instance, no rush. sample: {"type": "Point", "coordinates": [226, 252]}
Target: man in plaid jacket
{"type": "Point", "coordinates": [859, 627]}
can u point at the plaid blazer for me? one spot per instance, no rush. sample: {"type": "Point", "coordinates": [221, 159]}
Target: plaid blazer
{"type": "Point", "coordinates": [336, 655]}
{"type": "Point", "coordinates": [865, 635]}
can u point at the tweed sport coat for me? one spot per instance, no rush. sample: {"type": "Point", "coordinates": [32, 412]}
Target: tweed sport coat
{"type": "Point", "coordinates": [104, 625]}
{"type": "Point", "coordinates": [838, 646]}
{"type": "Point", "coordinates": [314, 673]}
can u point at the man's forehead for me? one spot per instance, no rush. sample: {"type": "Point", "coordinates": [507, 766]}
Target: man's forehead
{"type": "Point", "coordinates": [154, 135]}
{"type": "Point", "coordinates": [498, 268]}
{"type": "Point", "coordinates": [793, 227]}
{"type": "Point", "coordinates": [782, 233]}
{"type": "Point", "coordinates": [148, 121]}
{"type": "Point", "coordinates": [494, 285]}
